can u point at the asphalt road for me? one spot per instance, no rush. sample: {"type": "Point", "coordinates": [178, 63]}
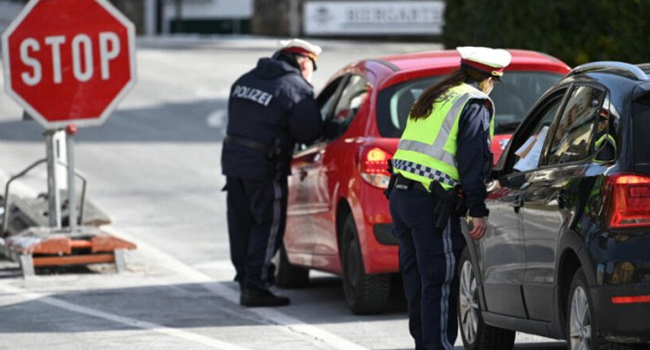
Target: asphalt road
{"type": "Point", "coordinates": [153, 167]}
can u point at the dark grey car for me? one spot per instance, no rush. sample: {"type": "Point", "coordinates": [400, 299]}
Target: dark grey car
{"type": "Point", "coordinates": [567, 254]}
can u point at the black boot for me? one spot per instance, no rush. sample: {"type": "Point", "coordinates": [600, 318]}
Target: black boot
{"type": "Point", "coordinates": [251, 297]}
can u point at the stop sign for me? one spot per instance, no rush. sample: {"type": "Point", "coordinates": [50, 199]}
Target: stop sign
{"type": "Point", "coordinates": [69, 61]}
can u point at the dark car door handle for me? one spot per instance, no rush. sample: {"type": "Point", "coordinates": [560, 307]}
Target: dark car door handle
{"type": "Point", "coordinates": [303, 174]}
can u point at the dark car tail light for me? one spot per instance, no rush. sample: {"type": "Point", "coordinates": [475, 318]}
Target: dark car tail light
{"type": "Point", "coordinates": [373, 166]}
{"type": "Point", "coordinates": [630, 200]}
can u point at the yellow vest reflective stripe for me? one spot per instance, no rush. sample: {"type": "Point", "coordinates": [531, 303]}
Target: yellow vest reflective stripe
{"type": "Point", "coordinates": [427, 149]}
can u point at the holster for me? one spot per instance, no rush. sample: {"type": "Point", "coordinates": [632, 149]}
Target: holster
{"type": "Point", "coordinates": [281, 164]}
{"type": "Point", "coordinates": [275, 149]}
{"type": "Point", "coordinates": [391, 182]}
{"type": "Point", "coordinates": [274, 153]}
{"type": "Point", "coordinates": [448, 203]}
{"type": "Point", "coordinates": [443, 207]}
{"type": "Point", "coordinates": [460, 208]}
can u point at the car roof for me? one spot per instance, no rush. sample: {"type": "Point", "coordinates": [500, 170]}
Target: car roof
{"type": "Point", "coordinates": [451, 58]}
{"type": "Point", "coordinates": [412, 65]}
{"type": "Point", "coordinates": [623, 78]}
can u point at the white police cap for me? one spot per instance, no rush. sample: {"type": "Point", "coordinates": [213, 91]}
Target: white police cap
{"type": "Point", "coordinates": [491, 61]}
{"type": "Point", "coordinates": [301, 46]}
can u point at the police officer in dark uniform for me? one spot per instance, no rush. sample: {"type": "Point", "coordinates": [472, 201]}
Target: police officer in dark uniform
{"type": "Point", "coordinates": [446, 144]}
{"type": "Point", "coordinates": [270, 109]}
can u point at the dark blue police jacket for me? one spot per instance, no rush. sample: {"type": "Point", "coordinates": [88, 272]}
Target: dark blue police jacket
{"type": "Point", "coordinates": [271, 103]}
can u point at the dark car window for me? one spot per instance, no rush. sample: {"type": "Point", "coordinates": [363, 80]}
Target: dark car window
{"type": "Point", "coordinates": [573, 134]}
{"type": "Point", "coordinates": [352, 96]}
{"type": "Point", "coordinates": [394, 104]}
{"type": "Point", "coordinates": [512, 98]}
{"type": "Point", "coordinates": [641, 133]}
{"type": "Point", "coordinates": [528, 145]}
{"type": "Point", "coordinates": [325, 102]}
{"type": "Point", "coordinates": [327, 97]}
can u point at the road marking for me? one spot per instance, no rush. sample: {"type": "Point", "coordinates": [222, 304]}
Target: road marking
{"type": "Point", "coordinates": [177, 333]}
{"type": "Point", "coordinates": [311, 333]}
{"type": "Point", "coordinates": [10, 298]}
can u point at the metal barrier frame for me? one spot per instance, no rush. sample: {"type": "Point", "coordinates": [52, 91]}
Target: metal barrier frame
{"type": "Point", "coordinates": [5, 221]}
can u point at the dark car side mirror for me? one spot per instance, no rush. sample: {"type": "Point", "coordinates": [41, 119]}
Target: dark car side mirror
{"type": "Point", "coordinates": [515, 180]}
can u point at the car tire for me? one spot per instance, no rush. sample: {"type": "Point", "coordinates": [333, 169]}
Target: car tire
{"type": "Point", "coordinates": [581, 327]}
{"type": "Point", "coordinates": [365, 294]}
{"type": "Point", "coordinates": [288, 275]}
{"type": "Point", "coordinates": [476, 334]}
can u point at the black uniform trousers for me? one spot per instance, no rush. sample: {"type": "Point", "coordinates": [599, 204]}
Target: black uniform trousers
{"type": "Point", "coordinates": [257, 213]}
{"type": "Point", "coordinates": [428, 264]}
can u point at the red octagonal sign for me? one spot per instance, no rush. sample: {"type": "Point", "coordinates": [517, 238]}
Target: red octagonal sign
{"type": "Point", "coordinates": [69, 61]}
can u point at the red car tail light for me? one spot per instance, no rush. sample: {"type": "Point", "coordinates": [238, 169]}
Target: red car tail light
{"type": "Point", "coordinates": [630, 200]}
{"type": "Point", "coordinates": [373, 166]}
{"type": "Point", "coordinates": [631, 299]}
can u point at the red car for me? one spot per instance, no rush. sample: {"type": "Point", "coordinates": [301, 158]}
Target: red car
{"type": "Point", "coordinates": [338, 218]}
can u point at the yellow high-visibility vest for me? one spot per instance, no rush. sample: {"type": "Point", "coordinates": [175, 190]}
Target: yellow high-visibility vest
{"type": "Point", "coordinates": [427, 149]}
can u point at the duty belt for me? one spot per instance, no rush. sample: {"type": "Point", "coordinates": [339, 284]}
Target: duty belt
{"type": "Point", "coordinates": [271, 152]}
{"type": "Point", "coordinates": [240, 141]}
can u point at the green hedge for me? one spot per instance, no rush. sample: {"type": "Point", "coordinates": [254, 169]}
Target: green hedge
{"type": "Point", "coordinates": [576, 31]}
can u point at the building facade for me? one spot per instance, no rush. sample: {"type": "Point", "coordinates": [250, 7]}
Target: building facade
{"type": "Point", "coordinates": [196, 16]}
{"type": "Point", "coordinates": [419, 19]}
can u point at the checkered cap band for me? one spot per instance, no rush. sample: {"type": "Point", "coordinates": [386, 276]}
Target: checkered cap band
{"type": "Point", "coordinates": [425, 171]}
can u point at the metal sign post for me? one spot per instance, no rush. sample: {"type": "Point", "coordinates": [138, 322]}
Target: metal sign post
{"type": "Point", "coordinates": [60, 152]}
{"type": "Point", "coordinates": [48, 83]}
{"type": "Point", "coordinates": [70, 131]}
{"type": "Point", "coordinates": [54, 212]}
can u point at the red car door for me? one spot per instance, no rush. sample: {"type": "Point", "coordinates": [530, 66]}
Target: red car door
{"type": "Point", "coordinates": [332, 163]}
{"type": "Point", "coordinates": [299, 233]}
{"type": "Point", "coordinates": [300, 240]}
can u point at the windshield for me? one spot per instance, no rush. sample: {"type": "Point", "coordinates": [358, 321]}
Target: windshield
{"type": "Point", "coordinates": [512, 98]}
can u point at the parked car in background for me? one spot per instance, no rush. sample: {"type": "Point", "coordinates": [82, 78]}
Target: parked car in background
{"type": "Point", "coordinates": [567, 252]}
{"type": "Point", "coordinates": [338, 218]}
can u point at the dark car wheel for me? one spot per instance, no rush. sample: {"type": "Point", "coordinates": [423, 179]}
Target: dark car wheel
{"type": "Point", "coordinates": [365, 294]}
{"type": "Point", "coordinates": [582, 328]}
{"type": "Point", "coordinates": [475, 333]}
{"type": "Point", "coordinates": [287, 275]}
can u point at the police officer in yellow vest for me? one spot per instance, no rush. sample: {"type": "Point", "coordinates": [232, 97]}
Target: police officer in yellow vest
{"type": "Point", "coordinates": [446, 144]}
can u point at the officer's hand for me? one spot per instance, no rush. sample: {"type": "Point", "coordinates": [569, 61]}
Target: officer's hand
{"type": "Point", "coordinates": [479, 227]}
